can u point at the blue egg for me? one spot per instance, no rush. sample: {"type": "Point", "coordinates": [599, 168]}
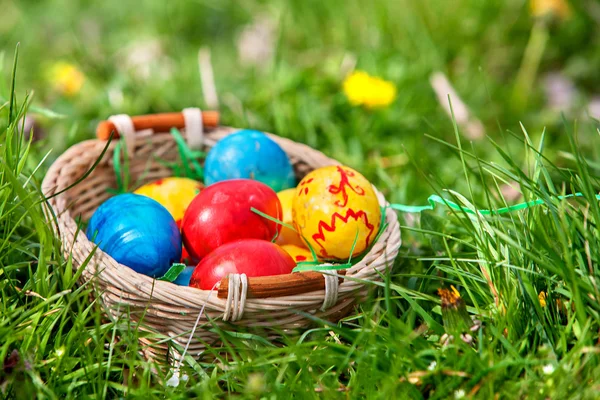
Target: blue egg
{"type": "Point", "coordinates": [249, 154]}
{"type": "Point", "coordinates": [184, 277]}
{"type": "Point", "coordinates": [138, 232]}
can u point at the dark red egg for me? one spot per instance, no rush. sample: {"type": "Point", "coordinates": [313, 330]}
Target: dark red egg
{"type": "Point", "coordinates": [222, 213]}
{"type": "Point", "coordinates": [187, 259]}
{"type": "Point", "coordinates": [252, 257]}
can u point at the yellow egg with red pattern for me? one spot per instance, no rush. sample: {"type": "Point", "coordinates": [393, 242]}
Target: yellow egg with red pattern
{"type": "Point", "coordinates": [299, 254]}
{"type": "Point", "coordinates": [287, 235]}
{"type": "Point", "coordinates": [175, 194]}
{"type": "Point", "coordinates": [334, 207]}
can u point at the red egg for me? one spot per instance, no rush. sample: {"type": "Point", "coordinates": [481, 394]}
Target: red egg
{"type": "Point", "coordinates": [252, 257]}
{"type": "Point", "coordinates": [222, 213]}
{"type": "Point", "coordinates": [186, 258]}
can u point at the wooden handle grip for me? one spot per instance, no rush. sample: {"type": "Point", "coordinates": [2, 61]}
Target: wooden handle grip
{"type": "Point", "coordinates": [280, 285]}
{"type": "Point", "coordinates": [158, 122]}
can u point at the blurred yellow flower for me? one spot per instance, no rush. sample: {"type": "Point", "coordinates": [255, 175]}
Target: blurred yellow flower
{"type": "Point", "coordinates": [372, 92]}
{"type": "Point", "coordinates": [542, 298]}
{"type": "Point", "coordinates": [66, 78]}
{"type": "Point", "coordinates": [558, 8]}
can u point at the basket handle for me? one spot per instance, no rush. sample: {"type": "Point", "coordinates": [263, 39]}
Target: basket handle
{"type": "Point", "coordinates": [280, 285]}
{"type": "Point", "coordinates": [157, 122]}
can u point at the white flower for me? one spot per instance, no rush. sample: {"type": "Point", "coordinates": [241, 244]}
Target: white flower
{"type": "Point", "coordinates": [256, 44]}
{"type": "Point", "coordinates": [548, 369]}
{"type": "Point", "coordinates": [146, 59]}
{"type": "Point", "coordinates": [432, 366]}
{"type": "Point", "coordinates": [459, 394]}
{"type": "Point", "coordinates": [174, 380]}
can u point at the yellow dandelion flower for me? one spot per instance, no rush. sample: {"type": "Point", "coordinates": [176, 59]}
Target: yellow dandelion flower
{"type": "Point", "coordinates": [450, 298]}
{"type": "Point", "coordinates": [542, 298]}
{"type": "Point", "coordinates": [454, 310]}
{"type": "Point", "coordinates": [361, 89]}
{"type": "Point", "coordinates": [558, 8]}
{"type": "Point", "coordinates": [66, 78]}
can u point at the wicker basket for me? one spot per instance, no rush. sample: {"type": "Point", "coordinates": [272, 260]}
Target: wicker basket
{"type": "Point", "coordinates": [268, 303]}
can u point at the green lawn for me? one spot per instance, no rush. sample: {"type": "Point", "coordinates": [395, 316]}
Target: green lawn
{"type": "Point", "coordinates": [536, 135]}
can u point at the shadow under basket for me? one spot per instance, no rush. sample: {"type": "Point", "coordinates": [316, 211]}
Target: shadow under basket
{"type": "Point", "coordinates": [269, 305]}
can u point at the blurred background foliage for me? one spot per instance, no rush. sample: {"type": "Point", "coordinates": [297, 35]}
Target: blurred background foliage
{"type": "Point", "coordinates": [279, 66]}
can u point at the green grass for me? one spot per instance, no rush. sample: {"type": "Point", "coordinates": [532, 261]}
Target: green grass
{"type": "Point", "coordinates": [392, 346]}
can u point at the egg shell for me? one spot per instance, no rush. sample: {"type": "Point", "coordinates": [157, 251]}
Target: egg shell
{"type": "Point", "coordinates": [222, 213]}
{"type": "Point", "coordinates": [184, 277]}
{"type": "Point", "coordinates": [137, 232]}
{"type": "Point", "coordinates": [252, 257]}
{"type": "Point", "coordinates": [187, 259]}
{"type": "Point", "coordinates": [287, 235]}
{"type": "Point", "coordinates": [174, 193]}
{"type": "Point", "coordinates": [333, 207]}
{"type": "Point", "coordinates": [299, 254]}
{"type": "Point", "coordinates": [249, 154]}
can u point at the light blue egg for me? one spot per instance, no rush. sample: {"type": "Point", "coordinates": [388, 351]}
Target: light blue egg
{"type": "Point", "coordinates": [249, 154]}
{"type": "Point", "coordinates": [184, 277]}
{"type": "Point", "coordinates": [138, 232]}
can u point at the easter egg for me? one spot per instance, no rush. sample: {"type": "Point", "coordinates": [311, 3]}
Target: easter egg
{"type": "Point", "coordinates": [249, 154]}
{"type": "Point", "coordinates": [137, 232]}
{"type": "Point", "coordinates": [222, 213]}
{"type": "Point", "coordinates": [299, 254]}
{"type": "Point", "coordinates": [333, 207]}
{"type": "Point", "coordinates": [174, 193]}
{"type": "Point", "coordinates": [287, 235]}
{"type": "Point", "coordinates": [184, 277]}
{"type": "Point", "coordinates": [187, 259]}
{"type": "Point", "coordinates": [252, 257]}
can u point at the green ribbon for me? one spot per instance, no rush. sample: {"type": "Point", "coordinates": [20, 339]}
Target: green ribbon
{"type": "Point", "coordinates": [173, 272]}
{"type": "Point", "coordinates": [435, 199]}
{"type": "Point", "coordinates": [188, 156]}
{"type": "Point", "coordinates": [121, 169]}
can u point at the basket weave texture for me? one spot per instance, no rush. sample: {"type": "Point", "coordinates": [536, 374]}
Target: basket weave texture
{"type": "Point", "coordinates": [171, 310]}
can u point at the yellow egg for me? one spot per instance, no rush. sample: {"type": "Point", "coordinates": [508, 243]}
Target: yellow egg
{"type": "Point", "coordinates": [333, 207]}
{"type": "Point", "coordinates": [299, 254]}
{"type": "Point", "coordinates": [288, 236]}
{"type": "Point", "coordinates": [175, 194]}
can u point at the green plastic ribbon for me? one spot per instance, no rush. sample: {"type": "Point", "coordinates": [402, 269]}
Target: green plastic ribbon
{"type": "Point", "coordinates": [188, 156]}
{"type": "Point", "coordinates": [173, 272]}
{"type": "Point", "coordinates": [121, 169]}
{"type": "Point", "coordinates": [435, 199]}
